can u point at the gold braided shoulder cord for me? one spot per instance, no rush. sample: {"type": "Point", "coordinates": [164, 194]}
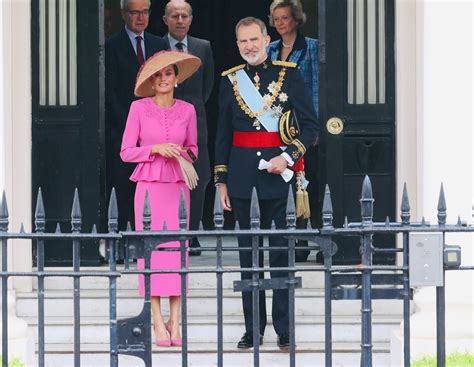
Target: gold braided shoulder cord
{"type": "Point", "coordinates": [269, 104]}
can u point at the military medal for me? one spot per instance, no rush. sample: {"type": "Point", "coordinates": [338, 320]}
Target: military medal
{"type": "Point", "coordinates": [277, 111]}
{"type": "Point", "coordinates": [256, 79]}
{"type": "Point", "coordinates": [283, 97]}
{"type": "Point", "coordinates": [274, 88]}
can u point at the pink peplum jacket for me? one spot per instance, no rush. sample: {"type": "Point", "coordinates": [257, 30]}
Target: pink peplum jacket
{"type": "Point", "coordinates": [149, 124]}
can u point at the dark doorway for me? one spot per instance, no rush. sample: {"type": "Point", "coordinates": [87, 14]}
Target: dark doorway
{"type": "Point", "coordinates": [213, 20]}
{"type": "Point", "coordinates": [357, 89]}
{"type": "Point", "coordinates": [366, 145]}
{"type": "Point", "coordinates": [67, 134]}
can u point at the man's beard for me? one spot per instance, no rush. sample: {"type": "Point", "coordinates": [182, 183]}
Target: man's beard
{"type": "Point", "coordinates": [253, 60]}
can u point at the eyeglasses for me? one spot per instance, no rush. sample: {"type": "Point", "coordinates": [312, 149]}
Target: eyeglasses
{"type": "Point", "coordinates": [136, 13]}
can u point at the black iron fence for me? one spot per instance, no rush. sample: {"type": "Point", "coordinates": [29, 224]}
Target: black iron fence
{"type": "Point", "coordinates": [364, 282]}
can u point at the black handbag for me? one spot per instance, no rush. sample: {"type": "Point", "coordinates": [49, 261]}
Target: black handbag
{"type": "Point", "coordinates": [288, 127]}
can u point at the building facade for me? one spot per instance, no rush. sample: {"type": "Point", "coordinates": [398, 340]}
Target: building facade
{"type": "Point", "coordinates": [433, 46]}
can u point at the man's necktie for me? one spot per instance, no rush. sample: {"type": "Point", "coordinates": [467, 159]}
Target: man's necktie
{"type": "Point", "coordinates": [180, 46]}
{"type": "Point", "coordinates": [140, 56]}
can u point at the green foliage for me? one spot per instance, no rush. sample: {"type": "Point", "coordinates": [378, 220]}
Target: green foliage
{"type": "Point", "coordinates": [453, 360]}
{"type": "Point", "coordinates": [15, 362]}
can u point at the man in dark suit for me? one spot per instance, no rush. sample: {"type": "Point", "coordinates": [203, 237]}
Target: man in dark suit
{"type": "Point", "coordinates": [125, 52]}
{"type": "Point", "coordinates": [250, 152]}
{"type": "Point", "coordinates": [196, 90]}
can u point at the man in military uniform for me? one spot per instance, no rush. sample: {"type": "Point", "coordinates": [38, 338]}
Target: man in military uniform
{"type": "Point", "coordinates": [250, 153]}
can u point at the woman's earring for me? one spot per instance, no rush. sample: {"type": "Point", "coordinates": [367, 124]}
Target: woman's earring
{"type": "Point", "coordinates": [152, 87]}
{"type": "Point", "coordinates": [176, 85]}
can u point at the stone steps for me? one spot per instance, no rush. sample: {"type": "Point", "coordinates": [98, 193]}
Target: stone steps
{"type": "Point", "coordinates": [202, 321]}
{"type": "Point", "coordinates": [269, 346]}
{"type": "Point", "coordinates": [202, 355]}
{"type": "Point", "coordinates": [201, 302]}
{"type": "Point", "coordinates": [308, 329]}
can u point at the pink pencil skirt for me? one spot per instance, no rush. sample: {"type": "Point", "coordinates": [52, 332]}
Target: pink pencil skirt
{"type": "Point", "coordinates": [164, 205]}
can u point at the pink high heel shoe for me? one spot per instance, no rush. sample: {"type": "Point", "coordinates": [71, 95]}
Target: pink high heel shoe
{"type": "Point", "coordinates": [174, 342]}
{"type": "Point", "coordinates": [163, 343]}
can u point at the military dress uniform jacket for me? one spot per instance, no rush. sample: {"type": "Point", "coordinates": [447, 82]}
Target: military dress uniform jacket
{"type": "Point", "coordinates": [238, 167]}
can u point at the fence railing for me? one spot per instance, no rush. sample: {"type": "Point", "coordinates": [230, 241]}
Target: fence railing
{"type": "Point", "coordinates": [364, 282]}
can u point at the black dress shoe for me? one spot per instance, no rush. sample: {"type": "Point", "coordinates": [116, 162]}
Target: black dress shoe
{"type": "Point", "coordinates": [320, 258]}
{"type": "Point", "coordinates": [194, 244]}
{"type": "Point", "coordinates": [284, 341]}
{"type": "Point", "coordinates": [301, 255]}
{"type": "Point", "coordinates": [247, 341]}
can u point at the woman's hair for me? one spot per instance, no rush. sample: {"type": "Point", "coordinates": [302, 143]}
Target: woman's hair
{"type": "Point", "coordinates": [295, 7]}
{"type": "Point", "coordinates": [175, 69]}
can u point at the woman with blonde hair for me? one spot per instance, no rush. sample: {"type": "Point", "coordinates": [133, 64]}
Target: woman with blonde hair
{"type": "Point", "coordinates": [161, 137]}
{"type": "Point", "coordinates": [287, 16]}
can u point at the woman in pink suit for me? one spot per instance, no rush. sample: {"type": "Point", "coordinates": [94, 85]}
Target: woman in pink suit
{"type": "Point", "coordinates": [161, 137]}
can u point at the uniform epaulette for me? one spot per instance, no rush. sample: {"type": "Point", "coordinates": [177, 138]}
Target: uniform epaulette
{"type": "Point", "coordinates": [235, 68]}
{"type": "Point", "coordinates": [286, 64]}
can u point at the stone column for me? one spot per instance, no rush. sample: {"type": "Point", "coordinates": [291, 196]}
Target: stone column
{"type": "Point", "coordinates": [443, 62]}
{"type": "Point", "coordinates": [15, 151]}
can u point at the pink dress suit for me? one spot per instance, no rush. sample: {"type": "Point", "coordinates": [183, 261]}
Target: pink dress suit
{"type": "Point", "coordinates": [149, 124]}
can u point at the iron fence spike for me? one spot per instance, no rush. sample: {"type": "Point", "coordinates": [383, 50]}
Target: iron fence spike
{"type": "Point", "coordinates": [309, 224]}
{"type": "Point", "coordinates": [129, 226]}
{"type": "Point", "coordinates": [423, 221]}
{"type": "Point", "coordinates": [201, 226]}
{"type": "Point", "coordinates": [405, 206]}
{"type": "Point", "coordinates": [441, 207]}
{"type": "Point", "coordinates": [113, 212]}
{"type": "Point", "coordinates": [346, 222]}
{"type": "Point", "coordinates": [254, 210]}
{"type": "Point", "coordinates": [366, 188]}
{"type": "Point", "coordinates": [164, 228]}
{"type": "Point", "coordinates": [40, 216]}
{"type": "Point", "coordinates": [58, 228]}
{"type": "Point", "coordinates": [4, 213]}
{"type": "Point", "coordinates": [327, 201]}
{"type": "Point", "coordinates": [218, 211]}
{"type": "Point", "coordinates": [22, 228]}
{"type": "Point", "coordinates": [146, 213]}
{"type": "Point", "coordinates": [217, 202]}
{"type": "Point", "coordinates": [290, 209]}
{"type": "Point", "coordinates": [182, 212]}
{"type": "Point", "coordinates": [237, 225]}
{"type": "Point", "coordinates": [327, 209]}
{"type": "Point", "coordinates": [459, 221]}
{"type": "Point", "coordinates": [76, 215]}
{"type": "Point", "coordinates": [367, 202]}
{"type": "Point", "coordinates": [273, 226]}
{"type": "Point", "coordinates": [94, 229]}
{"type": "Point", "coordinates": [387, 221]}
{"type": "Point", "coordinates": [4, 206]}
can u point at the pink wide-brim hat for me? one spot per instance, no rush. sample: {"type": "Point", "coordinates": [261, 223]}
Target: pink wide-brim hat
{"type": "Point", "coordinates": [187, 65]}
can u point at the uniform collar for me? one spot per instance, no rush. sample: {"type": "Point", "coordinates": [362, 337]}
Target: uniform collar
{"type": "Point", "coordinates": [259, 67]}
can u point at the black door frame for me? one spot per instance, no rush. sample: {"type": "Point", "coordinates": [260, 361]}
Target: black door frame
{"type": "Point", "coordinates": [74, 133]}
{"type": "Point", "coordinates": [370, 122]}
